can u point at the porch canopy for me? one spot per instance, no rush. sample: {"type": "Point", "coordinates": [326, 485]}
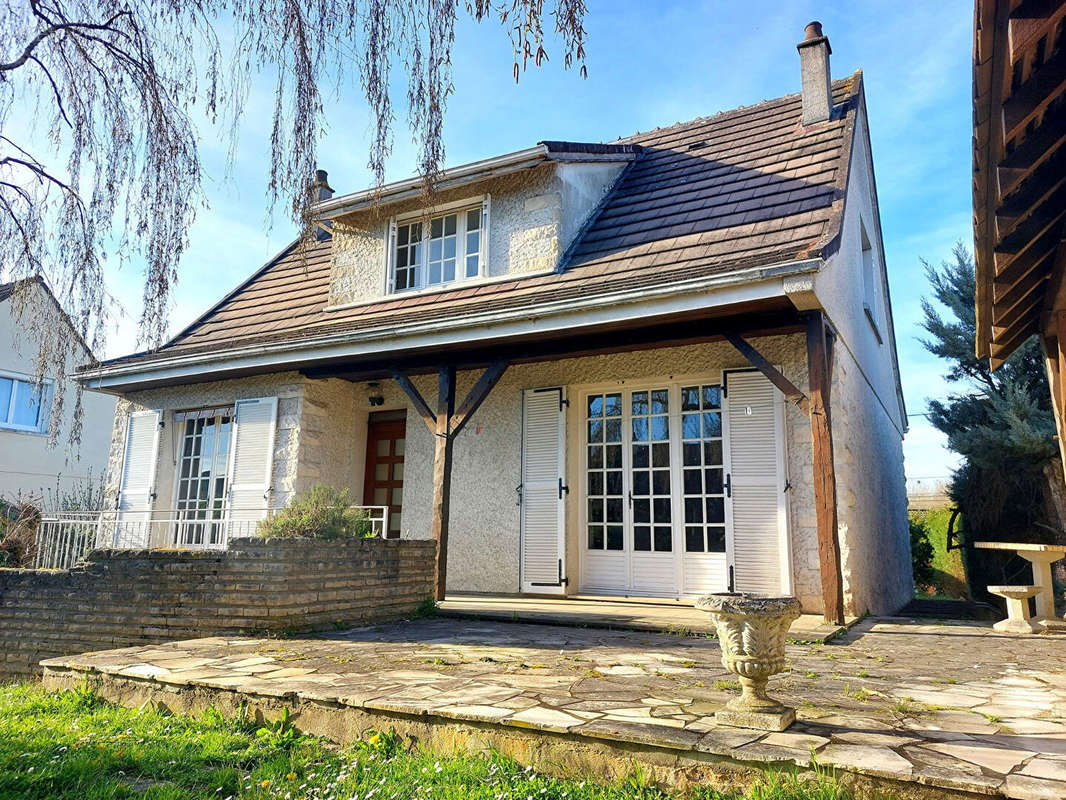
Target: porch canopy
{"type": "Point", "coordinates": [446, 414]}
{"type": "Point", "coordinates": [1019, 183]}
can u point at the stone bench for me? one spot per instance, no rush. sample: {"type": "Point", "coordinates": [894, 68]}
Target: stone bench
{"type": "Point", "coordinates": [1018, 620]}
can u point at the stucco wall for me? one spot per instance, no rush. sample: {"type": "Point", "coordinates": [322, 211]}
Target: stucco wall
{"type": "Point", "coordinates": [533, 217]}
{"type": "Point", "coordinates": [28, 466]}
{"type": "Point", "coordinates": [868, 418]}
{"type": "Point", "coordinates": [871, 495]}
{"type": "Point", "coordinates": [287, 387]}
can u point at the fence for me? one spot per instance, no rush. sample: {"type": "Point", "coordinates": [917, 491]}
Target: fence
{"type": "Point", "coordinates": [65, 538]}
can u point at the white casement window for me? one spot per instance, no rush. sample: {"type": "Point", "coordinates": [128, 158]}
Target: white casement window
{"type": "Point", "coordinates": [24, 406]}
{"type": "Point", "coordinates": [202, 474]}
{"type": "Point", "coordinates": [447, 248]}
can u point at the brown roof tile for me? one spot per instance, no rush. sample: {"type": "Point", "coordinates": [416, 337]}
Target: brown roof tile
{"type": "Point", "coordinates": [745, 188]}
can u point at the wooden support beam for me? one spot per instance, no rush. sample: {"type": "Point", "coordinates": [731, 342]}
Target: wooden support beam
{"type": "Point", "coordinates": [788, 389]}
{"type": "Point", "coordinates": [825, 485]}
{"type": "Point", "coordinates": [442, 474]}
{"type": "Point", "coordinates": [421, 406]}
{"type": "Point", "coordinates": [445, 425]}
{"type": "Point", "coordinates": [489, 378]}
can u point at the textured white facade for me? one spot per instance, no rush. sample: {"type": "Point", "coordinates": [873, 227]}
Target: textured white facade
{"type": "Point", "coordinates": [533, 217]}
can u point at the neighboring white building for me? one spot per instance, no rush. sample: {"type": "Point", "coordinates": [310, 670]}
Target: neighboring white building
{"type": "Point", "coordinates": [28, 465]}
{"type": "Point", "coordinates": [653, 315]}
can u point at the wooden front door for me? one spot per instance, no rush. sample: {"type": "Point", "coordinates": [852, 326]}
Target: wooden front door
{"type": "Point", "coordinates": [383, 482]}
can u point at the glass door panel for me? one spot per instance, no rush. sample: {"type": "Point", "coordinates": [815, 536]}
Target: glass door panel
{"type": "Point", "coordinates": [704, 501]}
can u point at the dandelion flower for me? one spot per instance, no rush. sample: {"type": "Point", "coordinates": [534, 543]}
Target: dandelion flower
{"type": "Point", "coordinates": [264, 784]}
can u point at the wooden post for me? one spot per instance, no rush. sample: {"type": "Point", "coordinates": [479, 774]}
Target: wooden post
{"type": "Point", "coordinates": [825, 484]}
{"type": "Point", "coordinates": [442, 473]}
{"type": "Point", "coordinates": [445, 426]}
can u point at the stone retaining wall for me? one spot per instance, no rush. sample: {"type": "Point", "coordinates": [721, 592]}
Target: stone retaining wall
{"type": "Point", "coordinates": [122, 598]}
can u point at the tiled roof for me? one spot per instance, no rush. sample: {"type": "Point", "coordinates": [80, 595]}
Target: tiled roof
{"type": "Point", "coordinates": [745, 188]}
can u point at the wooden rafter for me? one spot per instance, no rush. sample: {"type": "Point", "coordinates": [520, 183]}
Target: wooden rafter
{"type": "Point", "coordinates": [792, 394]}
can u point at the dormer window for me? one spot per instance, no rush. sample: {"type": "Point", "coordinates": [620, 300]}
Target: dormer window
{"type": "Point", "coordinates": [447, 248]}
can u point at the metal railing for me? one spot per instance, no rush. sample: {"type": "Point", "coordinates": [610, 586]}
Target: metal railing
{"type": "Point", "coordinates": [65, 538]}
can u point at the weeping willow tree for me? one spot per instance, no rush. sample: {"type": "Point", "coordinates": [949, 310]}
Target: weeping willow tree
{"type": "Point", "coordinates": [1010, 486]}
{"type": "Point", "coordinates": [115, 89]}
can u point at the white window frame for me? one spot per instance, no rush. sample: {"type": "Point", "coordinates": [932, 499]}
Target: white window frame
{"type": "Point", "coordinates": [178, 420]}
{"type": "Point", "coordinates": [459, 208]}
{"type": "Point", "coordinates": [47, 391]}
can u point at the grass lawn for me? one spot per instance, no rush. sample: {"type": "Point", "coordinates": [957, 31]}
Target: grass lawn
{"type": "Point", "coordinates": [949, 575]}
{"type": "Point", "coordinates": [75, 745]}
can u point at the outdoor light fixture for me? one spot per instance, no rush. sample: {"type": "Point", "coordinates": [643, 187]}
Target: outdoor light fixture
{"type": "Point", "coordinates": [374, 396]}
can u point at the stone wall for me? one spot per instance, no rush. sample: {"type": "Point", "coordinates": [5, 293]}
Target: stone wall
{"type": "Point", "coordinates": [122, 598]}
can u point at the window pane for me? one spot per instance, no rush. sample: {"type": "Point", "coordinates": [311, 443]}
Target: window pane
{"type": "Point", "coordinates": [642, 538]}
{"type": "Point", "coordinates": [712, 425]}
{"type": "Point", "coordinates": [614, 509]}
{"type": "Point", "coordinates": [692, 482]}
{"type": "Point", "coordinates": [712, 397]}
{"type": "Point", "coordinates": [434, 249]}
{"type": "Point", "coordinates": [712, 453]}
{"type": "Point", "coordinates": [436, 228]}
{"type": "Point", "coordinates": [660, 401]}
{"type": "Point", "coordinates": [690, 426]}
{"type": "Point", "coordinates": [595, 510]}
{"type": "Point", "coordinates": [595, 430]}
{"type": "Point", "coordinates": [614, 537]}
{"type": "Point", "coordinates": [595, 406]}
{"type": "Point", "coordinates": [383, 447]}
{"type": "Point", "coordinates": [398, 449]}
{"type": "Point", "coordinates": [6, 385]}
{"type": "Point", "coordinates": [614, 456]}
{"type": "Point", "coordinates": [381, 497]}
{"type": "Point", "coordinates": [381, 472]}
{"type": "Point", "coordinates": [596, 457]}
{"type": "Point", "coordinates": [449, 248]}
{"type": "Point", "coordinates": [27, 405]}
{"type": "Point", "coordinates": [641, 511]}
{"type": "Point", "coordinates": [473, 242]}
{"type": "Point", "coordinates": [715, 509]}
{"type": "Point", "coordinates": [595, 537]}
{"type": "Point", "coordinates": [397, 471]}
{"type": "Point", "coordinates": [660, 428]}
{"type": "Point", "coordinates": [690, 399]}
{"type": "Point", "coordinates": [640, 404]}
{"type": "Point", "coordinates": [693, 509]}
{"type": "Point", "coordinates": [434, 272]}
{"type": "Point", "coordinates": [640, 429]}
{"type": "Point", "coordinates": [595, 483]}
{"type": "Point", "coordinates": [664, 540]}
{"type": "Point", "coordinates": [397, 497]}
{"type": "Point", "coordinates": [661, 508]}
{"type": "Point", "coordinates": [640, 455]}
{"type": "Point", "coordinates": [641, 484]}
{"type": "Point", "coordinates": [660, 455]}
{"type": "Point", "coordinates": [614, 430]}
{"type": "Point", "coordinates": [473, 219]}
{"type": "Point", "coordinates": [471, 266]}
{"type": "Point", "coordinates": [402, 234]}
{"type": "Point", "coordinates": [612, 405]}
{"type": "Point", "coordinates": [449, 270]}
{"type": "Point", "coordinates": [714, 481]}
{"type": "Point", "coordinates": [450, 223]}
{"type": "Point", "coordinates": [716, 539]}
{"type": "Point", "coordinates": [614, 482]}
{"type": "Point", "coordinates": [690, 455]}
{"type": "Point", "coordinates": [694, 540]}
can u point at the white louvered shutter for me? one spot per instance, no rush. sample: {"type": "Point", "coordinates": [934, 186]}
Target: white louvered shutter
{"type": "Point", "coordinates": [133, 527]}
{"type": "Point", "coordinates": [543, 546]}
{"type": "Point", "coordinates": [251, 461]}
{"type": "Point", "coordinates": [756, 454]}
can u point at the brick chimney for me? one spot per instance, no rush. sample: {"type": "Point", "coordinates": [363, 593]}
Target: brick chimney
{"type": "Point", "coordinates": [817, 93]}
{"type": "Point", "coordinates": [322, 185]}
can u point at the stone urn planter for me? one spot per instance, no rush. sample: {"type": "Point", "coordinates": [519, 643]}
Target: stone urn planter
{"type": "Point", "coordinates": [751, 632]}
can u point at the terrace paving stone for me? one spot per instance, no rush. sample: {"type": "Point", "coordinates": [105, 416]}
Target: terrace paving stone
{"type": "Point", "coordinates": [651, 690]}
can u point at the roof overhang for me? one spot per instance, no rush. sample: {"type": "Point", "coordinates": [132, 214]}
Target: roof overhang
{"type": "Point", "coordinates": [476, 171]}
{"type": "Point", "coordinates": [1019, 183]}
{"type": "Point", "coordinates": [397, 341]}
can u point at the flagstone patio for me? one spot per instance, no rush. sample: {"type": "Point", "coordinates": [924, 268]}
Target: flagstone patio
{"type": "Point", "coordinates": [927, 710]}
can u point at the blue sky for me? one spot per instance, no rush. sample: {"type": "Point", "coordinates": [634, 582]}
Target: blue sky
{"type": "Point", "coordinates": [652, 64]}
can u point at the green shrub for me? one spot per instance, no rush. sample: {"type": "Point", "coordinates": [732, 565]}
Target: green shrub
{"type": "Point", "coordinates": [921, 554]}
{"type": "Point", "coordinates": [322, 513]}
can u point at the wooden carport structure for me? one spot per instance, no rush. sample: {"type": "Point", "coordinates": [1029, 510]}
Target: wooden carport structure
{"type": "Point", "coordinates": [1019, 184]}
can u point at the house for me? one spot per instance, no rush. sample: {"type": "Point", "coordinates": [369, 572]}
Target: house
{"type": "Point", "coordinates": [30, 466]}
{"type": "Point", "coordinates": [1019, 191]}
{"type": "Point", "coordinates": [657, 367]}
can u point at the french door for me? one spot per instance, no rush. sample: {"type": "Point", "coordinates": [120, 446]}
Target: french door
{"type": "Point", "coordinates": [655, 516]}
